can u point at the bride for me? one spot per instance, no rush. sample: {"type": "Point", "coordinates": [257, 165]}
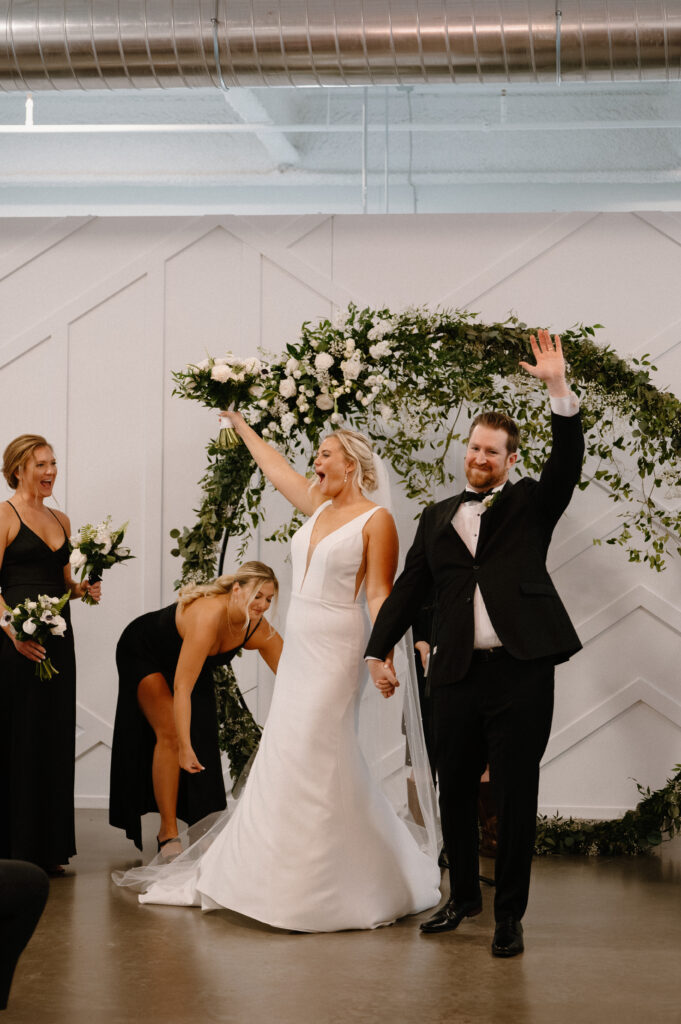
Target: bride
{"type": "Point", "coordinates": [313, 844]}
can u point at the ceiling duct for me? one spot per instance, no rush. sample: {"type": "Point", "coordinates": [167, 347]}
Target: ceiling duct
{"type": "Point", "coordinates": [138, 44]}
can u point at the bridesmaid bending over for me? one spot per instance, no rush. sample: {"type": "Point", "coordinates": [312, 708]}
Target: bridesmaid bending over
{"type": "Point", "coordinates": [165, 665]}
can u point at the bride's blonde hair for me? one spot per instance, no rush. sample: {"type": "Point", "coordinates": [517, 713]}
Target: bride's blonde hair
{"type": "Point", "coordinates": [250, 576]}
{"type": "Point", "coordinates": [357, 448]}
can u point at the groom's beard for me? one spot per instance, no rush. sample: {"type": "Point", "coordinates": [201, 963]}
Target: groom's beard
{"type": "Point", "coordinates": [484, 479]}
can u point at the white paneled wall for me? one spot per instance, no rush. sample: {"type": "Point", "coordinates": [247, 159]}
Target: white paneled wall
{"type": "Point", "coordinates": [95, 314]}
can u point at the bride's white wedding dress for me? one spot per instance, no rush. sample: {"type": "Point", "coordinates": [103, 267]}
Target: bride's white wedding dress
{"type": "Point", "coordinates": [313, 844]}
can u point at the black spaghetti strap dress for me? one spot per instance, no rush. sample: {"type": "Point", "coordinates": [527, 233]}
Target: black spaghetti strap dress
{"type": "Point", "coordinates": [37, 717]}
{"type": "Point", "coordinates": [151, 643]}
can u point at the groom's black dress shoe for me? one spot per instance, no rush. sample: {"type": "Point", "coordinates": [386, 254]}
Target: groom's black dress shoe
{"type": "Point", "coordinates": [508, 938]}
{"type": "Point", "coordinates": [449, 917]}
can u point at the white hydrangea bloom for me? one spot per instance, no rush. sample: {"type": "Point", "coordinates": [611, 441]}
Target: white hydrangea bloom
{"type": "Point", "coordinates": [380, 349]}
{"type": "Point", "coordinates": [287, 422]}
{"type": "Point", "coordinates": [351, 368]}
{"type": "Point", "coordinates": [323, 361]}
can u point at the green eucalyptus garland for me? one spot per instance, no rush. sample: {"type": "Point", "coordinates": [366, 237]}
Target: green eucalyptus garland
{"type": "Point", "coordinates": [657, 817]}
{"type": "Point", "coordinates": [413, 381]}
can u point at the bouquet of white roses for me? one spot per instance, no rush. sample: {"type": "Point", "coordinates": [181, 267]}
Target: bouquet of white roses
{"type": "Point", "coordinates": [219, 384]}
{"type": "Point", "coordinates": [38, 620]}
{"type": "Point", "coordinates": [95, 548]}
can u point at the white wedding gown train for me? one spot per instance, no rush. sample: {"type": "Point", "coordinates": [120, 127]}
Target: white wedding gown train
{"type": "Point", "coordinates": [313, 844]}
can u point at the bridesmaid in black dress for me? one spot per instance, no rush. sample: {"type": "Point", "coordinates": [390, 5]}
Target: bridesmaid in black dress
{"type": "Point", "coordinates": [165, 665]}
{"type": "Point", "coordinates": [37, 718]}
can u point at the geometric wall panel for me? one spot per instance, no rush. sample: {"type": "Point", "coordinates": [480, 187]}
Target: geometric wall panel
{"type": "Point", "coordinates": [95, 306]}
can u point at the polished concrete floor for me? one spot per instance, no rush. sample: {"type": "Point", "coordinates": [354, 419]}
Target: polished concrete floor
{"type": "Point", "coordinates": [603, 943]}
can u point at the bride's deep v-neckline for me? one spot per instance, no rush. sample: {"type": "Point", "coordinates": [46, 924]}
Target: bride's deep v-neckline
{"type": "Point", "coordinates": [310, 549]}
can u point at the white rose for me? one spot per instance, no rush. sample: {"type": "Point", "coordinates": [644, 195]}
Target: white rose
{"type": "Point", "coordinates": [297, 374]}
{"type": "Point", "coordinates": [29, 627]}
{"type": "Point", "coordinates": [292, 365]}
{"type": "Point", "coordinates": [336, 417]}
{"type": "Point", "coordinates": [324, 402]}
{"type": "Point", "coordinates": [58, 627]}
{"type": "Point", "coordinates": [323, 361]}
{"type": "Point", "coordinates": [77, 559]}
{"type": "Point", "coordinates": [255, 390]}
{"type": "Point", "coordinates": [104, 538]}
{"type": "Point", "coordinates": [221, 373]}
{"type": "Point", "coordinates": [287, 387]}
{"type": "Point", "coordinates": [31, 605]}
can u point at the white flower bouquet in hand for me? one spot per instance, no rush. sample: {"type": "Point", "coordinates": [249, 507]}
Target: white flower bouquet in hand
{"type": "Point", "coordinates": [219, 384]}
{"type": "Point", "coordinates": [38, 620]}
{"type": "Point", "coordinates": [95, 548]}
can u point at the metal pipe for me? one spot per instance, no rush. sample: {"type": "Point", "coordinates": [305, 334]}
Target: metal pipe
{"type": "Point", "coordinates": [336, 129]}
{"type": "Point", "coordinates": [365, 148]}
{"type": "Point", "coordinates": [97, 44]}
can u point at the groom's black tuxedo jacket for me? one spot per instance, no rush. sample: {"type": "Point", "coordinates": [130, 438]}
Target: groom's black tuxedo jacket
{"type": "Point", "coordinates": [509, 566]}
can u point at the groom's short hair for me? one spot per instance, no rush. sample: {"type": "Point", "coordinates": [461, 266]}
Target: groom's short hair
{"type": "Point", "coordinates": [499, 421]}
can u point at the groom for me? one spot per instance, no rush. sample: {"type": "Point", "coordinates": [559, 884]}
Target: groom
{"type": "Point", "coordinates": [499, 629]}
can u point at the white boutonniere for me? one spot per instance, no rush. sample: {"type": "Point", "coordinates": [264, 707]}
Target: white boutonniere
{"type": "Point", "coordinates": [490, 499]}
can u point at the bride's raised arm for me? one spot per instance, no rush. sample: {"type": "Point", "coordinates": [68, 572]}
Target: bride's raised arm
{"type": "Point", "coordinates": [280, 473]}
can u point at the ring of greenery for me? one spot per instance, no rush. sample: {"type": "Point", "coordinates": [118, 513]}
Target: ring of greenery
{"type": "Point", "coordinates": [412, 381]}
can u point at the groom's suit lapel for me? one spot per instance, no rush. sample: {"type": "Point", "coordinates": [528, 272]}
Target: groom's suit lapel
{"type": "Point", "coordinates": [490, 519]}
{"type": "Point", "coordinates": [444, 531]}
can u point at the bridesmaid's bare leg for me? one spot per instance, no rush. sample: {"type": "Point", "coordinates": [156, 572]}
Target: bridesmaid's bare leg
{"type": "Point", "coordinates": [156, 701]}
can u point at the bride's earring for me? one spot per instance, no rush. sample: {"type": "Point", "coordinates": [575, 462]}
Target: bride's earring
{"type": "Point", "coordinates": [345, 478]}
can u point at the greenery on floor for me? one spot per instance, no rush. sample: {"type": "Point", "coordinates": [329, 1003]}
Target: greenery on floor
{"type": "Point", "coordinates": [656, 818]}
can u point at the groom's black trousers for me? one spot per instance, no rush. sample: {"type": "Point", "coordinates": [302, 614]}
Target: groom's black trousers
{"type": "Point", "coordinates": [500, 713]}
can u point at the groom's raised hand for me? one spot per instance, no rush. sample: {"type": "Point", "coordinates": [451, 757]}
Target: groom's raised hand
{"type": "Point", "coordinates": [550, 363]}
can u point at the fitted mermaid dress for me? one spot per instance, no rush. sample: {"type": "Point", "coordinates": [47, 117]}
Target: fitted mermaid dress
{"type": "Point", "coordinates": [37, 717]}
{"type": "Point", "coordinates": [313, 844]}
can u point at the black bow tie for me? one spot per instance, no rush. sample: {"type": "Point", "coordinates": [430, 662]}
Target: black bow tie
{"type": "Point", "coordinates": [475, 495]}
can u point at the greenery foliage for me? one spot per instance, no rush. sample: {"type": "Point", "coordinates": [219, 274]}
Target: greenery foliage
{"type": "Point", "coordinates": [656, 818]}
{"type": "Point", "coordinates": [413, 381]}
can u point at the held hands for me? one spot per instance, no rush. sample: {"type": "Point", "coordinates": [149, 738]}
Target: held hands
{"type": "Point", "coordinates": [190, 762]}
{"type": "Point", "coordinates": [550, 363]}
{"type": "Point", "coordinates": [383, 676]}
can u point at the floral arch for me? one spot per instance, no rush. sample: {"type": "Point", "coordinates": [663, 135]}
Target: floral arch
{"type": "Point", "coordinates": [413, 381]}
